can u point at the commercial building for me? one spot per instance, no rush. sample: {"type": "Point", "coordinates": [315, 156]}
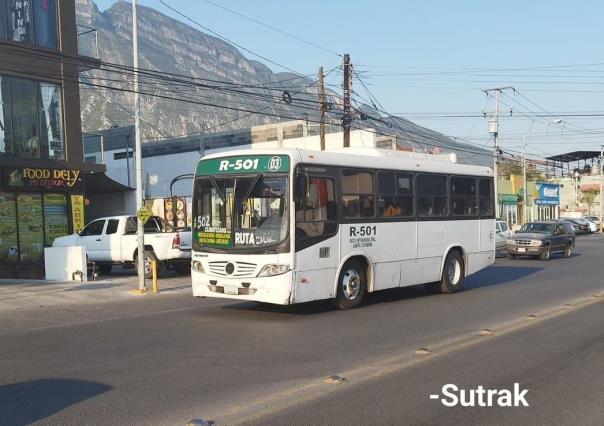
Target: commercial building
{"type": "Point", "coordinates": [542, 200]}
{"type": "Point", "coordinates": [168, 164]}
{"type": "Point", "coordinates": [43, 176]}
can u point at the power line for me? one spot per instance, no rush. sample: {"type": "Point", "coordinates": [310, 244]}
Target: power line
{"type": "Point", "coordinates": [310, 43]}
{"type": "Point", "coordinates": [182, 15]}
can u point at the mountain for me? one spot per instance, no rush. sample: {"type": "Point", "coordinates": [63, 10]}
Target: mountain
{"type": "Point", "coordinates": [204, 70]}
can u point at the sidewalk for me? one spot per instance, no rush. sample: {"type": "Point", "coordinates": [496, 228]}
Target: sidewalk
{"type": "Point", "coordinates": [27, 294]}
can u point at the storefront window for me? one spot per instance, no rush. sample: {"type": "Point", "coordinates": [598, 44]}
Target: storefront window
{"type": "Point", "coordinates": [45, 19]}
{"type": "Point", "coordinates": [31, 230]}
{"type": "Point", "coordinates": [29, 21]}
{"type": "Point", "coordinates": [31, 118]}
{"type": "Point", "coordinates": [51, 134]}
{"type": "Point", "coordinates": [56, 219]}
{"type": "Point", "coordinates": [20, 21]}
{"type": "Point", "coordinates": [5, 116]}
{"type": "Point", "coordinates": [25, 118]}
{"type": "Point", "coordinates": [9, 247]}
{"type": "Point", "coordinates": [3, 19]}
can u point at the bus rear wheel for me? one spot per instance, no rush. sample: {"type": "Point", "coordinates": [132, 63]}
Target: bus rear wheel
{"type": "Point", "coordinates": [352, 285]}
{"type": "Point", "coordinates": [453, 273]}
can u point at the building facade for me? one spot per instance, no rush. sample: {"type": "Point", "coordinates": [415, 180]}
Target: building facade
{"type": "Point", "coordinates": [542, 200]}
{"type": "Point", "coordinates": [42, 170]}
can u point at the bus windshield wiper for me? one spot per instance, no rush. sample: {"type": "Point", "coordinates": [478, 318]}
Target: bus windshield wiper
{"type": "Point", "coordinates": [252, 186]}
{"type": "Point", "coordinates": [215, 184]}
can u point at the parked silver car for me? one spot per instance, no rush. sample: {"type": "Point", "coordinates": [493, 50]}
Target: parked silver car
{"type": "Point", "coordinates": [502, 233]}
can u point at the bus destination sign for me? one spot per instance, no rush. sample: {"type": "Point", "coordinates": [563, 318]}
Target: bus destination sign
{"type": "Point", "coordinates": [244, 164]}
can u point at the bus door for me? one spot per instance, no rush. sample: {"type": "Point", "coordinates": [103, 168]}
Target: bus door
{"type": "Point", "coordinates": [316, 232]}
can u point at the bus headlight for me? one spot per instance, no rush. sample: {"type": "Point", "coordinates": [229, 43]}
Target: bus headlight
{"type": "Point", "coordinates": [197, 266]}
{"type": "Point", "coordinates": [270, 270]}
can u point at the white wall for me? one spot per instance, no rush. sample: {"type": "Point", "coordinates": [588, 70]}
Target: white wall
{"type": "Point", "coordinates": [159, 171]}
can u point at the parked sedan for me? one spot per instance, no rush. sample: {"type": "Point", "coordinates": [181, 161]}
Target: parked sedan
{"type": "Point", "coordinates": [580, 228]}
{"type": "Point", "coordinates": [541, 239]}
{"type": "Point", "coordinates": [502, 233]}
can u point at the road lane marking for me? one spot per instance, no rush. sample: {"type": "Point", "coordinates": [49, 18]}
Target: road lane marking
{"type": "Point", "coordinates": [313, 388]}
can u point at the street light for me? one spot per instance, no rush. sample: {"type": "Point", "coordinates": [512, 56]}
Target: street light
{"type": "Point", "coordinates": [577, 175]}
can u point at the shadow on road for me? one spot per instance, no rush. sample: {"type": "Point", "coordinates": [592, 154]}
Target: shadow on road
{"type": "Point", "coordinates": [493, 275]}
{"type": "Point", "coordinates": [27, 402]}
{"type": "Point", "coordinates": [498, 275]}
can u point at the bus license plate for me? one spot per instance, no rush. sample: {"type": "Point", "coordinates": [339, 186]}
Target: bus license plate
{"type": "Point", "coordinates": [521, 250]}
{"type": "Point", "coordinates": [231, 289]}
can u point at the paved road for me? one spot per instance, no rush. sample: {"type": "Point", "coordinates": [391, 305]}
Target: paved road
{"type": "Point", "coordinates": [172, 358]}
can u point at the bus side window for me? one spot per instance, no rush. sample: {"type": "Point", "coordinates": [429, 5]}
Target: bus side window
{"type": "Point", "coordinates": [432, 199]}
{"type": "Point", "coordinates": [485, 193]}
{"type": "Point", "coordinates": [357, 194]}
{"type": "Point", "coordinates": [315, 207]}
{"type": "Point", "coordinates": [464, 196]}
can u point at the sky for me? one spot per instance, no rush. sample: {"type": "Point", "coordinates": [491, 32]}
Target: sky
{"type": "Point", "coordinates": [426, 60]}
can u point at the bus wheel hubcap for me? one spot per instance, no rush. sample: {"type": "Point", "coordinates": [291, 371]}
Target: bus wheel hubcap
{"type": "Point", "coordinates": [351, 284]}
{"type": "Point", "coordinates": [453, 272]}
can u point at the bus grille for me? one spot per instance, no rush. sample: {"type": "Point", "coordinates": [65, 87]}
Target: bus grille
{"type": "Point", "coordinates": [242, 269]}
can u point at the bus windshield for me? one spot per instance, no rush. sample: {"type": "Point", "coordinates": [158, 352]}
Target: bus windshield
{"type": "Point", "coordinates": [240, 212]}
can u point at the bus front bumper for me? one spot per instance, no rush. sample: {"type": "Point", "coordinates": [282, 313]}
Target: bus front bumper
{"type": "Point", "coordinates": [276, 289]}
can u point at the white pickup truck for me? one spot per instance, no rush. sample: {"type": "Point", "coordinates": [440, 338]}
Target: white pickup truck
{"type": "Point", "coordinates": [113, 240]}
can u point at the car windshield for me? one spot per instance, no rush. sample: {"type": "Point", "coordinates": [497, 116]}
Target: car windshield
{"type": "Point", "coordinates": [240, 212]}
{"type": "Point", "coordinates": [537, 228]}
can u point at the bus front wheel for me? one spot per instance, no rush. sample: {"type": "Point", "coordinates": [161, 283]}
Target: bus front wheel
{"type": "Point", "coordinates": [453, 273]}
{"type": "Point", "coordinates": [352, 285]}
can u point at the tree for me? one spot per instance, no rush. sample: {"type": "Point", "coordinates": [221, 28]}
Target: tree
{"type": "Point", "coordinates": [588, 197]}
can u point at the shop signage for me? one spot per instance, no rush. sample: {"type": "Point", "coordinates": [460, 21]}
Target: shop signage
{"type": "Point", "coordinates": [36, 178]}
{"type": "Point", "coordinates": [547, 194]}
{"type": "Point", "coordinates": [77, 212]}
{"type": "Point", "coordinates": [508, 199]}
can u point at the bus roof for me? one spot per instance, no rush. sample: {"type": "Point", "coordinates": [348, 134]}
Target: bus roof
{"type": "Point", "coordinates": [374, 158]}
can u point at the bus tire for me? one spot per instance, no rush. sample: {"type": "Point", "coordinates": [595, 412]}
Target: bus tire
{"type": "Point", "coordinates": [453, 273]}
{"type": "Point", "coordinates": [352, 285]}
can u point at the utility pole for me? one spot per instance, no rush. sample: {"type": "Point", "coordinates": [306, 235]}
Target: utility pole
{"type": "Point", "coordinates": [347, 119]}
{"type": "Point", "coordinates": [322, 109]}
{"type": "Point", "coordinates": [138, 153]}
{"type": "Point", "coordinates": [601, 187]}
{"type": "Point", "coordinates": [524, 195]}
{"type": "Point", "coordinates": [494, 130]}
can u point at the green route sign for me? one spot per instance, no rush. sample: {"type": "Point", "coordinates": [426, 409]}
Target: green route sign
{"type": "Point", "coordinates": [244, 164]}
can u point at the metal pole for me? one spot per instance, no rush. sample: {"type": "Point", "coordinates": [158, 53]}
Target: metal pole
{"type": "Point", "coordinates": [322, 109]}
{"type": "Point", "coordinates": [102, 149]}
{"type": "Point", "coordinates": [524, 195]}
{"type": "Point", "coordinates": [347, 118]}
{"type": "Point", "coordinates": [138, 153]}
{"type": "Point", "coordinates": [496, 154]}
{"type": "Point", "coordinates": [601, 187]}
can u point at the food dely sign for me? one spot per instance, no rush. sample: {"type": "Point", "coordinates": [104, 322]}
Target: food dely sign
{"type": "Point", "coordinates": [36, 178]}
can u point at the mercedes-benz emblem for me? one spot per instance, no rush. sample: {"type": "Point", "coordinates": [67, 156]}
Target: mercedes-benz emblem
{"type": "Point", "coordinates": [229, 268]}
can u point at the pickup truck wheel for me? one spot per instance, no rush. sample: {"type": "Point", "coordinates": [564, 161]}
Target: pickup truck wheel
{"type": "Point", "coordinates": [568, 251]}
{"type": "Point", "coordinates": [149, 257]}
{"type": "Point", "coordinates": [547, 253]}
{"type": "Point", "coordinates": [105, 268]}
{"type": "Point", "coordinates": [182, 268]}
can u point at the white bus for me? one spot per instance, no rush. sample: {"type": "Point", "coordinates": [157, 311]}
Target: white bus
{"type": "Point", "coordinates": [289, 226]}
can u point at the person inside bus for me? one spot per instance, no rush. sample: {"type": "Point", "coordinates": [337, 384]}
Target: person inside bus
{"type": "Point", "coordinates": [367, 206]}
{"type": "Point", "coordinates": [392, 210]}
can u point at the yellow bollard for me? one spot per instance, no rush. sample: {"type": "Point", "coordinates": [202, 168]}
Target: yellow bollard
{"type": "Point", "coordinates": [154, 270]}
